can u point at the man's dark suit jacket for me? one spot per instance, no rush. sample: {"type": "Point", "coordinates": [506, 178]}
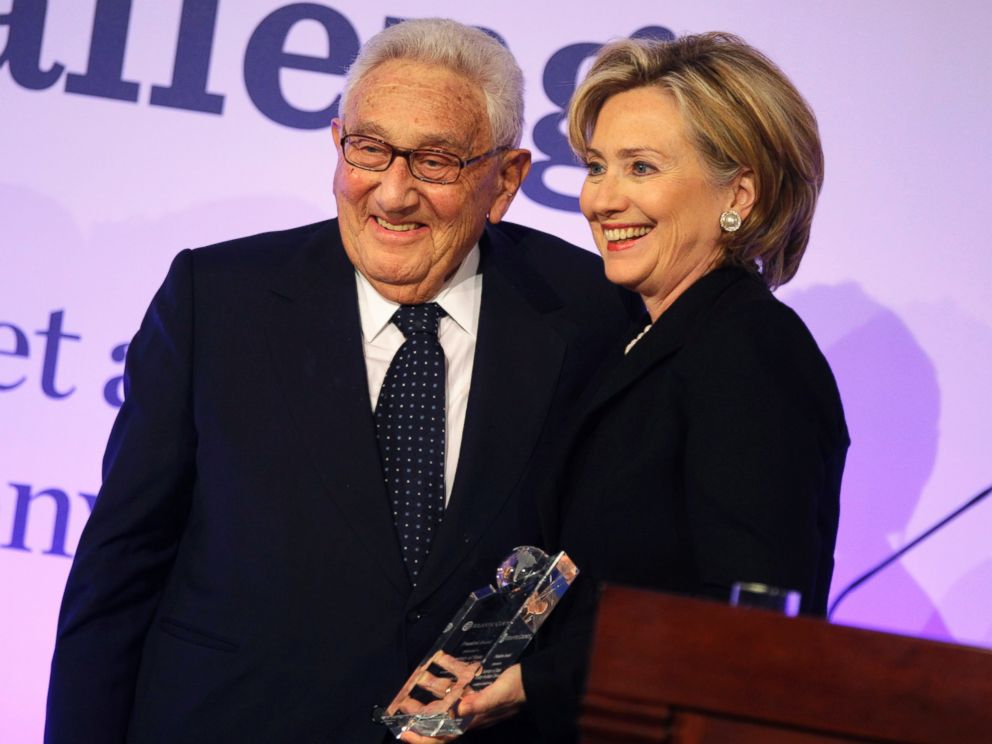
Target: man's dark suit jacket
{"type": "Point", "coordinates": [712, 453]}
{"type": "Point", "coordinates": [240, 578]}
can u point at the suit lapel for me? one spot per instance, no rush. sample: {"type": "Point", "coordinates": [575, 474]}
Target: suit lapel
{"type": "Point", "coordinates": [518, 359]}
{"type": "Point", "coordinates": [316, 340]}
{"type": "Point", "coordinates": [667, 334]}
{"type": "Point", "coordinates": [665, 337]}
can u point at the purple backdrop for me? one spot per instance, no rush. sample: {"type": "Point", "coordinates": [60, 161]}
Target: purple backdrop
{"type": "Point", "coordinates": [126, 136]}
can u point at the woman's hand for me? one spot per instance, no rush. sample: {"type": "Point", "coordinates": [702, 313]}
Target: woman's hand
{"type": "Point", "coordinates": [447, 689]}
{"type": "Point", "coordinates": [412, 738]}
{"type": "Point", "coordinates": [502, 699]}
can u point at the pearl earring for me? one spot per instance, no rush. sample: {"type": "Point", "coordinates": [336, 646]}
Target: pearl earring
{"type": "Point", "coordinates": [730, 221]}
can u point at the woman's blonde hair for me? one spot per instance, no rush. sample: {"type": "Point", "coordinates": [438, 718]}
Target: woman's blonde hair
{"type": "Point", "coordinates": [741, 112]}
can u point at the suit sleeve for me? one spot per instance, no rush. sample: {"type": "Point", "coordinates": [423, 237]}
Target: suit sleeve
{"type": "Point", "coordinates": [129, 543]}
{"type": "Point", "coordinates": [765, 447]}
{"type": "Point", "coordinates": [554, 675]}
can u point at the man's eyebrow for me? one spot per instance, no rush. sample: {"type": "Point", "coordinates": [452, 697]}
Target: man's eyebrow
{"type": "Point", "coordinates": [369, 129]}
{"type": "Point", "coordinates": [442, 142]}
{"type": "Point", "coordinates": [437, 141]}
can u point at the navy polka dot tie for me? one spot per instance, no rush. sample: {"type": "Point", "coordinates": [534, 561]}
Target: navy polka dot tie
{"type": "Point", "coordinates": [409, 421]}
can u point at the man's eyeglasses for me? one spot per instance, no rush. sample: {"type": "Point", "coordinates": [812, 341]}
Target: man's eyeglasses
{"type": "Point", "coordinates": [429, 164]}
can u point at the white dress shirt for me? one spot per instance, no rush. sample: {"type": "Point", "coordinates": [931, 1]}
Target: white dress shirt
{"type": "Point", "coordinates": [461, 298]}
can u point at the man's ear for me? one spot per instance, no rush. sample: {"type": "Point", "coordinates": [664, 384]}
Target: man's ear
{"type": "Point", "coordinates": [514, 166]}
{"type": "Point", "coordinates": [743, 193]}
{"type": "Point", "coordinates": [337, 126]}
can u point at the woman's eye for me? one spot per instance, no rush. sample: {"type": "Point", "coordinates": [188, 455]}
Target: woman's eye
{"type": "Point", "coordinates": [641, 168]}
{"type": "Point", "coordinates": [595, 169]}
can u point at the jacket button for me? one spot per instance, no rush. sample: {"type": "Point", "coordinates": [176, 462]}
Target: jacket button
{"type": "Point", "coordinates": [414, 616]}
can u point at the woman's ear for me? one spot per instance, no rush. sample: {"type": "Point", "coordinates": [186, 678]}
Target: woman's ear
{"type": "Point", "coordinates": [743, 193]}
{"type": "Point", "coordinates": [514, 166]}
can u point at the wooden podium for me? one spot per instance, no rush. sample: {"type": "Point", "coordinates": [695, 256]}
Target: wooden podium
{"type": "Point", "coordinates": [686, 671]}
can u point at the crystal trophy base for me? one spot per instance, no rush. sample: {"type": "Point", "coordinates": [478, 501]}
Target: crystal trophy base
{"type": "Point", "coordinates": [486, 636]}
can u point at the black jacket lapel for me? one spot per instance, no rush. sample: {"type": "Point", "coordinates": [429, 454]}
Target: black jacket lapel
{"type": "Point", "coordinates": [665, 337]}
{"type": "Point", "coordinates": [316, 340]}
{"type": "Point", "coordinates": [667, 334]}
{"type": "Point", "coordinates": [518, 359]}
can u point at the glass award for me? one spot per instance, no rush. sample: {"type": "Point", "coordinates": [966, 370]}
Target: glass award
{"type": "Point", "coordinates": [485, 636]}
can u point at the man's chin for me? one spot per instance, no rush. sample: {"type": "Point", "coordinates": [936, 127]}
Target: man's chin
{"type": "Point", "coordinates": [406, 287]}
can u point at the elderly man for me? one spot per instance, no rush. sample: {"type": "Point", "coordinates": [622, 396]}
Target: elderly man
{"type": "Point", "coordinates": [332, 434]}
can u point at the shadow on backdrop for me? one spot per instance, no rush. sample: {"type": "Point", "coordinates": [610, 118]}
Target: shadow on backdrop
{"type": "Point", "coordinates": [892, 401]}
{"type": "Point", "coordinates": [961, 600]}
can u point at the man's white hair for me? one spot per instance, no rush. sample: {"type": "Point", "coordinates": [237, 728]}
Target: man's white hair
{"type": "Point", "coordinates": [462, 49]}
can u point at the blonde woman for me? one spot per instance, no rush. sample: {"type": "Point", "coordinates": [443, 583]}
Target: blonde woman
{"type": "Point", "coordinates": [713, 452]}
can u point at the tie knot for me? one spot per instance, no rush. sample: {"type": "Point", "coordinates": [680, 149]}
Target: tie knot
{"type": "Point", "coordinates": [414, 319]}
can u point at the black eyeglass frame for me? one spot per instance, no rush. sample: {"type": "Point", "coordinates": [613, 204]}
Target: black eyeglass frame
{"type": "Point", "coordinates": [405, 154]}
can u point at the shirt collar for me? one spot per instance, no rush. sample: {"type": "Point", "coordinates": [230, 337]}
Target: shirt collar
{"type": "Point", "coordinates": [460, 297]}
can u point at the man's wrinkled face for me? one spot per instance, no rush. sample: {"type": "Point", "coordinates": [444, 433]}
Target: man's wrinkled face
{"type": "Point", "coordinates": [405, 235]}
